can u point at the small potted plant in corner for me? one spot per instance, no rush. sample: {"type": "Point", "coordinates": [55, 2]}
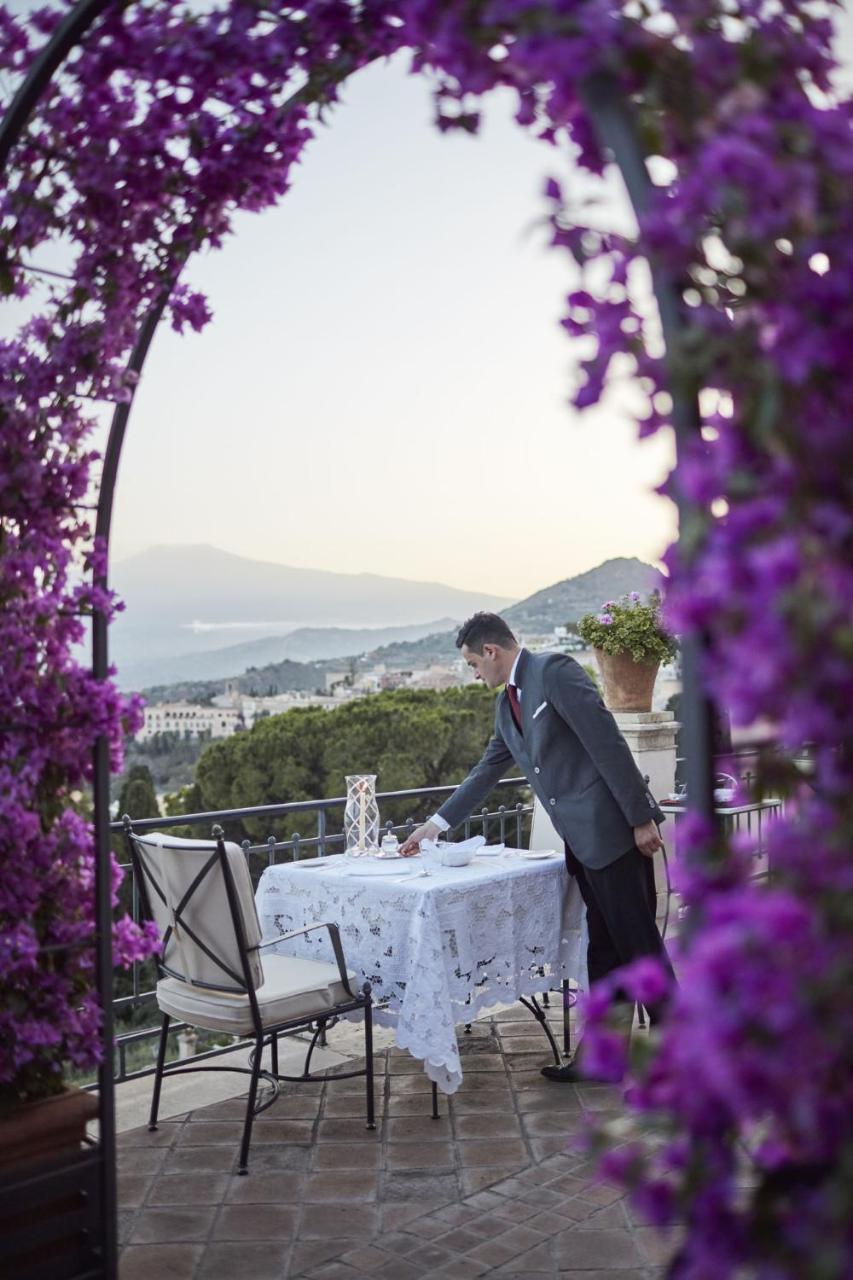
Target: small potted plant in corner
{"type": "Point", "coordinates": [630, 643]}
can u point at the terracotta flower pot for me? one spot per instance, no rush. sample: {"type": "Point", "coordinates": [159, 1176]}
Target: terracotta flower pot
{"type": "Point", "coordinates": [45, 1127]}
{"type": "Point", "coordinates": [628, 685]}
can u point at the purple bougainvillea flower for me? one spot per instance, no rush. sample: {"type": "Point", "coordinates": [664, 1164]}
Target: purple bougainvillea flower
{"type": "Point", "coordinates": [171, 118]}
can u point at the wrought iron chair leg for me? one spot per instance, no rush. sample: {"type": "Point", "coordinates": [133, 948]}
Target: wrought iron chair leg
{"type": "Point", "coordinates": [243, 1167]}
{"type": "Point", "coordinates": [158, 1074]}
{"type": "Point", "coordinates": [540, 1017]}
{"type": "Point", "coordinates": [435, 1114]}
{"type": "Point", "coordinates": [274, 1053]}
{"type": "Point", "coordinates": [368, 1057]}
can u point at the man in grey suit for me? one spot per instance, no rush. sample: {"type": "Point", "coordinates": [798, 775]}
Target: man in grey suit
{"type": "Point", "coordinates": [551, 721]}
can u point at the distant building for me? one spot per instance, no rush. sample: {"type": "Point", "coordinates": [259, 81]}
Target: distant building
{"type": "Point", "coordinates": [189, 721]}
{"type": "Point", "coordinates": [252, 707]}
{"type": "Point", "coordinates": [435, 677]}
{"type": "Point", "coordinates": [395, 679]}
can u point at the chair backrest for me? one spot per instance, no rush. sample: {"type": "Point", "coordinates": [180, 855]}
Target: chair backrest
{"type": "Point", "coordinates": [184, 884]}
{"type": "Point", "coordinates": [542, 833]}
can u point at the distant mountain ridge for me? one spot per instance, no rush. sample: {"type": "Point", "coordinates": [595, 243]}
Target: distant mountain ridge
{"type": "Point", "coordinates": [304, 645]}
{"type": "Point", "coordinates": [183, 600]}
{"type": "Point", "coordinates": [560, 603]}
{"type": "Point", "coordinates": [569, 600]}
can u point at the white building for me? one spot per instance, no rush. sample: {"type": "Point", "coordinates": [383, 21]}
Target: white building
{"type": "Point", "coordinates": [189, 720]}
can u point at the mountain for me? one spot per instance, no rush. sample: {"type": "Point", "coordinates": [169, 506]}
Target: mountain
{"type": "Point", "coordinates": [569, 600]}
{"type": "Point", "coordinates": [565, 601]}
{"type": "Point", "coordinates": [278, 677]}
{"type": "Point", "coordinates": [183, 600]}
{"type": "Point", "coordinates": [562, 602]}
{"type": "Point", "coordinates": [284, 652]}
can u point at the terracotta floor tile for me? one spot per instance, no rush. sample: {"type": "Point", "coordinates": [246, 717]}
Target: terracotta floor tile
{"type": "Point", "coordinates": [421, 1155]}
{"type": "Point", "coordinates": [347, 1155]}
{"type": "Point", "coordinates": [492, 1151]}
{"type": "Point", "coordinates": [495, 1186]}
{"type": "Point", "coordinates": [165, 1261]}
{"type": "Point", "coordinates": [167, 1226]}
{"type": "Point", "coordinates": [191, 1188]}
{"type": "Point", "coordinates": [487, 1125]}
{"type": "Point", "coordinates": [344, 1186]}
{"type": "Point", "coordinates": [265, 1260]}
{"type": "Point", "coordinates": [418, 1128]}
{"type": "Point", "coordinates": [133, 1188]}
{"type": "Point", "coordinates": [603, 1249]}
{"type": "Point", "coordinates": [255, 1222]}
{"type": "Point", "coordinates": [357, 1222]}
{"type": "Point", "coordinates": [308, 1253]}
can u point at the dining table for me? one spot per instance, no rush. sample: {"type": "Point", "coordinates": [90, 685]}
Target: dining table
{"type": "Point", "coordinates": [438, 944]}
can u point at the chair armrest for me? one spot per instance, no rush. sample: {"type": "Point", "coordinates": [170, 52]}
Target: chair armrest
{"type": "Point", "coordinates": [295, 933]}
{"type": "Point", "coordinates": [335, 938]}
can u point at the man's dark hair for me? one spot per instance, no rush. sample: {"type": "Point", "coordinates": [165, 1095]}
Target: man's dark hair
{"type": "Point", "coordinates": [484, 628]}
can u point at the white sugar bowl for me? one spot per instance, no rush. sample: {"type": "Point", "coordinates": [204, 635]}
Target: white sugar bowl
{"type": "Point", "coordinates": [456, 857]}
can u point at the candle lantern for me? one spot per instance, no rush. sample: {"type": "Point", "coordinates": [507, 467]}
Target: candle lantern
{"type": "Point", "coordinates": [361, 815]}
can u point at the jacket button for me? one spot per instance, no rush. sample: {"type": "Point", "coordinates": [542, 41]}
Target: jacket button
{"type": "Point", "coordinates": [536, 768]}
{"type": "Point", "coordinates": [552, 801]}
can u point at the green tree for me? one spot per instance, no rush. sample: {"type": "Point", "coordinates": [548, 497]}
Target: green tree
{"type": "Point", "coordinates": [137, 796]}
{"type": "Point", "coordinates": [409, 738]}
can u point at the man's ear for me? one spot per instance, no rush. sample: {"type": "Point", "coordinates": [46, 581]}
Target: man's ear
{"type": "Point", "coordinates": [489, 650]}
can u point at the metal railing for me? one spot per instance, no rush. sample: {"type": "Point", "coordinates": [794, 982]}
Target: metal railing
{"type": "Point", "coordinates": [506, 822]}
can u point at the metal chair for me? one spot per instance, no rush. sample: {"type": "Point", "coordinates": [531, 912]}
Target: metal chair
{"type": "Point", "coordinates": [212, 974]}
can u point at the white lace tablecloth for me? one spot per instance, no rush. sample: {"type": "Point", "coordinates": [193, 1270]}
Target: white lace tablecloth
{"type": "Point", "coordinates": [437, 950]}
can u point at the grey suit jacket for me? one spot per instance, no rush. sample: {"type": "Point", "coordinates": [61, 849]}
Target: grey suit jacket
{"type": "Point", "coordinates": [573, 756]}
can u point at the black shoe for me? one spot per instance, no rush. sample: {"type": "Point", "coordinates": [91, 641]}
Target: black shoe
{"type": "Point", "coordinates": [569, 1074]}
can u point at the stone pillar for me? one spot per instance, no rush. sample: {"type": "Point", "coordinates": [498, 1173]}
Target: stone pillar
{"type": "Point", "coordinates": [651, 737]}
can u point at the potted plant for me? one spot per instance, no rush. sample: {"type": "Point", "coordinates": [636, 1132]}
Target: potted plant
{"type": "Point", "coordinates": [630, 643]}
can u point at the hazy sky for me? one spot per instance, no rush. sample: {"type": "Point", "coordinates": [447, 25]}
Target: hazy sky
{"type": "Point", "coordinates": [384, 386]}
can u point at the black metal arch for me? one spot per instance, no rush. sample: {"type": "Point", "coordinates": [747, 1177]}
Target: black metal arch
{"type": "Point", "coordinates": [613, 121]}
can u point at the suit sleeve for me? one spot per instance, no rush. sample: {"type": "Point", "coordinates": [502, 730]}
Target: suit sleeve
{"type": "Point", "coordinates": [488, 770]}
{"type": "Point", "coordinates": [576, 699]}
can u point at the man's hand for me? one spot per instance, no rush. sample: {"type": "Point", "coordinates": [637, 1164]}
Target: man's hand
{"type": "Point", "coordinates": [426, 832]}
{"type": "Point", "coordinates": [647, 839]}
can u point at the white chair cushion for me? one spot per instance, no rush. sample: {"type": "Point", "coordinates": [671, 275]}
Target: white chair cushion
{"type": "Point", "coordinates": [292, 988]}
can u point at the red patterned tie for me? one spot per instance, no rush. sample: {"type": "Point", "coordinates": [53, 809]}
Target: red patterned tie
{"type": "Point", "coordinates": [515, 705]}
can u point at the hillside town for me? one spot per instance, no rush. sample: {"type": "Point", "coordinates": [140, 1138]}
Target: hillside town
{"type": "Point", "coordinates": [233, 710]}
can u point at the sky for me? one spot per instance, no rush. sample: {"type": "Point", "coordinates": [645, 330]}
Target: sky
{"type": "Point", "coordinates": [385, 385]}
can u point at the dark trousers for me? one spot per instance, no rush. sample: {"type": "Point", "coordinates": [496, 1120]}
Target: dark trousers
{"type": "Point", "coordinates": [620, 912]}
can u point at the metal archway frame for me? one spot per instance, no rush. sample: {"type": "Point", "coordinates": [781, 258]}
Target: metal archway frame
{"type": "Point", "coordinates": [614, 124]}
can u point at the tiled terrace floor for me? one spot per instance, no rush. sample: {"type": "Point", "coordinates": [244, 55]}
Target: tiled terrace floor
{"type": "Point", "coordinates": [492, 1188]}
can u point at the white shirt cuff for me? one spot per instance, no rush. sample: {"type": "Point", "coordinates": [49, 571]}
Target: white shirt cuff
{"type": "Point", "coordinates": [441, 823]}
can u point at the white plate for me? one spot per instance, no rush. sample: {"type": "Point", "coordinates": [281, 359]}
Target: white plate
{"type": "Point", "coordinates": [490, 851]}
{"type": "Point", "coordinates": [533, 855]}
{"type": "Point", "coordinates": [380, 868]}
